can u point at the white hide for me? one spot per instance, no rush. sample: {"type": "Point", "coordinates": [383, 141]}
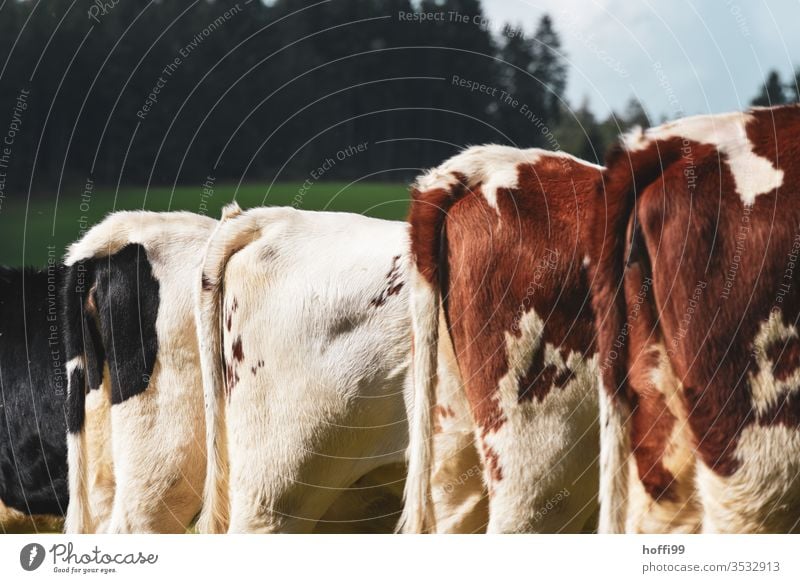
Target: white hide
{"type": "Point", "coordinates": [319, 400]}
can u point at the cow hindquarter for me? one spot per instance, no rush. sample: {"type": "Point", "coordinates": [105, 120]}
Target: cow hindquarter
{"type": "Point", "coordinates": [137, 463]}
{"type": "Point", "coordinates": [518, 316]}
{"type": "Point", "coordinates": [749, 476]}
{"type": "Point", "coordinates": [747, 422]}
{"type": "Point", "coordinates": [315, 346]}
{"type": "Point", "coordinates": [661, 494]}
{"type": "Point", "coordinates": [739, 398]}
{"type": "Point", "coordinates": [99, 456]}
{"type": "Point", "coordinates": [723, 241]}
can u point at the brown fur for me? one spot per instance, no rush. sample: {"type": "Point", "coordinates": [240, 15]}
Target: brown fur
{"type": "Point", "coordinates": [690, 231]}
{"type": "Point", "coordinates": [487, 267]}
{"type": "Point", "coordinates": [652, 422]}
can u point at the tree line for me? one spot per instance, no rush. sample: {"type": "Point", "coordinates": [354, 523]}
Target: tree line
{"type": "Point", "coordinates": [777, 92]}
{"type": "Point", "coordinates": [156, 92]}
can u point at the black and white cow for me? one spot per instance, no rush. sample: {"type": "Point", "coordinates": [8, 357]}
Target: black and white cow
{"type": "Point", "coordinates": [135, 443]}
{"type": "Point", "coordinates": [33, 456]}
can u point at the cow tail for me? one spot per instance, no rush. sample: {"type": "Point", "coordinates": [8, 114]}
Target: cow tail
{"type": "Point", "coordinates": [81, 351]}
{"type": "Point", "coordinates": [615, 450]}
{"type": "Point", "coordinates": [417, 512]}
{"type": "Point", "coordinates": [432, 197]}
{"type": "Point", "coordinates": [228, 238]}
{"type": "Point", "coordinates": [628, 172]}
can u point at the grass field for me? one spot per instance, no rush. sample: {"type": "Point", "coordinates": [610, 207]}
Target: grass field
{"type": "Point", "coordinates": [29, 233]}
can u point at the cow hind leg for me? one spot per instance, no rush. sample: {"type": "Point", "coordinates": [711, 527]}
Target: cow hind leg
{"type": "Point", "coordinates": [524, 498]}
{"type": "Point", "coordinates": [289, 467]}
{"type": "Point", "coordinates": [166, 497]}
{"type": "Point", "coordinates": [279, 482]}
{"type": "Point", "coordinates": [271, 498]}
{"type": "Point", "coordinates": [540, 453]}
{"type": "Point", "coordinates": [100, 472]}
{"type": "Point", "coordinates": [662, 495]}
{"type": "Point", "coordinates": [371, 505]}
{"type": "Point", "coordinates": [460, 500]}
{"type": "Point", "coordinates": [541, 465]}
{"type": "Point", "coordinates": [459, 496]}
{"type": "Point", "coordinates": [290, 485]}
{"type": "Point", "coordinates": [763, 494]}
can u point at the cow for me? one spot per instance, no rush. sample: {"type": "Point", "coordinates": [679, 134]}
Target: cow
{"type": "Point", "coordinates": [694, 247]}
{"type": "Point", "coordinates": [305, 344]}
{"type": "Point", "coordinates": [33, 449]}
{"type": "Point", "coordinates": [503, 328]}
{"type": "Point", "coordinates": [135, 440]}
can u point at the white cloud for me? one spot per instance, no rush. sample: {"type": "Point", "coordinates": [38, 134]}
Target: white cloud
{"type": "Point", "coordinates": [679, 57]}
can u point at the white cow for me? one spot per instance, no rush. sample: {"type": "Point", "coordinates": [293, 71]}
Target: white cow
{"type": "Point", "coordinates": [305, 338]}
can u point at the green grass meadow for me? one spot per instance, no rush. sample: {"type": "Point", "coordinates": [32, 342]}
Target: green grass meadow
{"type": "Point", "coordinates": [33, 231]}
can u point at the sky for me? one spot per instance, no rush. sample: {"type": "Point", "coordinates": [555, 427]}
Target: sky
{"type": "Point", "coordinates": [678, 57]}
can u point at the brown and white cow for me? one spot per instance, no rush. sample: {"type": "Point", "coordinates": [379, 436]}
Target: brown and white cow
{"type": "Point", "coordinates": [694, 256]}
{"type": "Point", "coordinates": [497, 245]}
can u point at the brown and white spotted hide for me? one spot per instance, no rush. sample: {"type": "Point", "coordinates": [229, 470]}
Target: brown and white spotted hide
{"type": "Point", "coordinates": [699, 347]}
{"type": "Point", "coordinates": [496, 233]}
